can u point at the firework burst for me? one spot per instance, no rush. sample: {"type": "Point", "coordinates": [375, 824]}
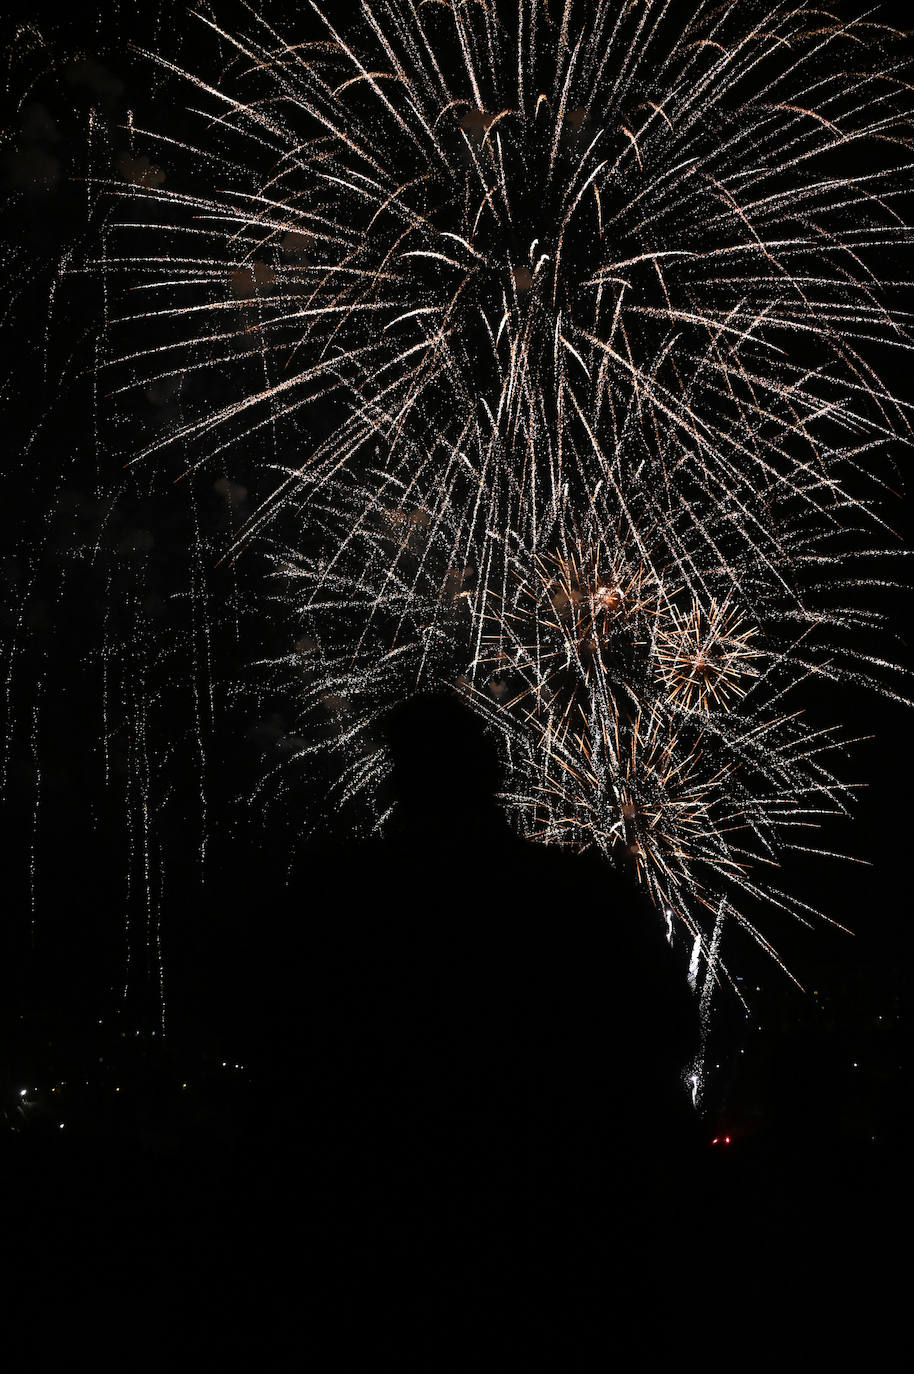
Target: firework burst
{"type": "Point", "coordinates": [706, 658]}
{"type": "Point", "coordinates": [593, 305]}
{"type": "Point", "coordinates": [622, 258]}
{"type": "Point", "coordinates": [576, 623]}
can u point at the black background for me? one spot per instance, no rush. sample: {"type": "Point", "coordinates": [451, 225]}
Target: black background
{"type": "Point", "coordinates": [411, 1020]}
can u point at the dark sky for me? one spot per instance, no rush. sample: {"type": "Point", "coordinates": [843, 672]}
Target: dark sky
{"type": "Point", "coordinates": [77, 871]}
{"type": "Point", "coordinates": [499, 1023]}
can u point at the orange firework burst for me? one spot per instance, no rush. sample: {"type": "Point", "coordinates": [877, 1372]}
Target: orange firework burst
{"type": "Point", "coordinates": [637, 788]}
{"type": "Point", "coordinates": [580, 621]}
{"type": "Point", "coordinates": [591, 597]}
{"type": "Point", "coordinates": [705, 656]}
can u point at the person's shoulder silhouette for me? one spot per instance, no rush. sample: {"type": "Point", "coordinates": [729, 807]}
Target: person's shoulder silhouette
{"type": "Point", "coordinates": [560, 940]}
{"type": "Point", "coordinates": [481, 1041]}
{"type": "Point", "coordinates": [483, 1008]}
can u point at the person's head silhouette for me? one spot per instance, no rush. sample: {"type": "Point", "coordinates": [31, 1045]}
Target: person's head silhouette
{"type": "Point", "coordinates": [445, 770]}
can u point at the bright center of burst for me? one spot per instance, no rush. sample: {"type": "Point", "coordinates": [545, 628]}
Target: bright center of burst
{"type": "Point", "coordinates": [610, 598]}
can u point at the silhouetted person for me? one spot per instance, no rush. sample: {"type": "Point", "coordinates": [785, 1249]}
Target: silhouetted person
{"type": "Point", "coordinates": [445, 778]}
{"type": "Point", "coordinates": [479, 1044]}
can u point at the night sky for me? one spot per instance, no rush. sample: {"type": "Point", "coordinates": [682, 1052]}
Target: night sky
{"type": "Point", "coordinates": [261, 1069]}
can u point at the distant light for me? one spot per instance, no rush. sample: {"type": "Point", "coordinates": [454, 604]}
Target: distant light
{"type": "Point", "coordinates": [60, 1125]}
{"type": "Point", "coordinates": [22, 1092]}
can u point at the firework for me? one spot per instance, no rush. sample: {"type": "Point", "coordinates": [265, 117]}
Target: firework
{"type": "Point", "coordinates": [591, 303]}
{"type": "Point", "coordinates": [613, 260]}
{"type": "Point", "coordinates": [707, 657]}
{"type": "Point", "coordinates": [579, 623]}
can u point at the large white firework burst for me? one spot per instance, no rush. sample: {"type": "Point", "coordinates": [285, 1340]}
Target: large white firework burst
{"type": "Point", "coordinates": [592, 301]}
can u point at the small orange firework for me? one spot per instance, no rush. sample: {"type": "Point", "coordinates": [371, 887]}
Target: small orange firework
{"type": "Point", "coordinates": [663, 798]}
{"type": "Point", "coordinates": [705, 656]}
{"type": "Point", "coordinates": [593, 593]}
{"type": "Point", "coordinates": [578, 616]}
{"type": "Point", "coordinates": [637, 788]}
{"type": "Point", "coordinates": [666, 799]}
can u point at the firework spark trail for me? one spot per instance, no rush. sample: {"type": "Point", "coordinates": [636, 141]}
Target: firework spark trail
{"type": "Point", "coordinates": [719, 415]}
{"type": "Point", "coordinates": [596, 305]}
